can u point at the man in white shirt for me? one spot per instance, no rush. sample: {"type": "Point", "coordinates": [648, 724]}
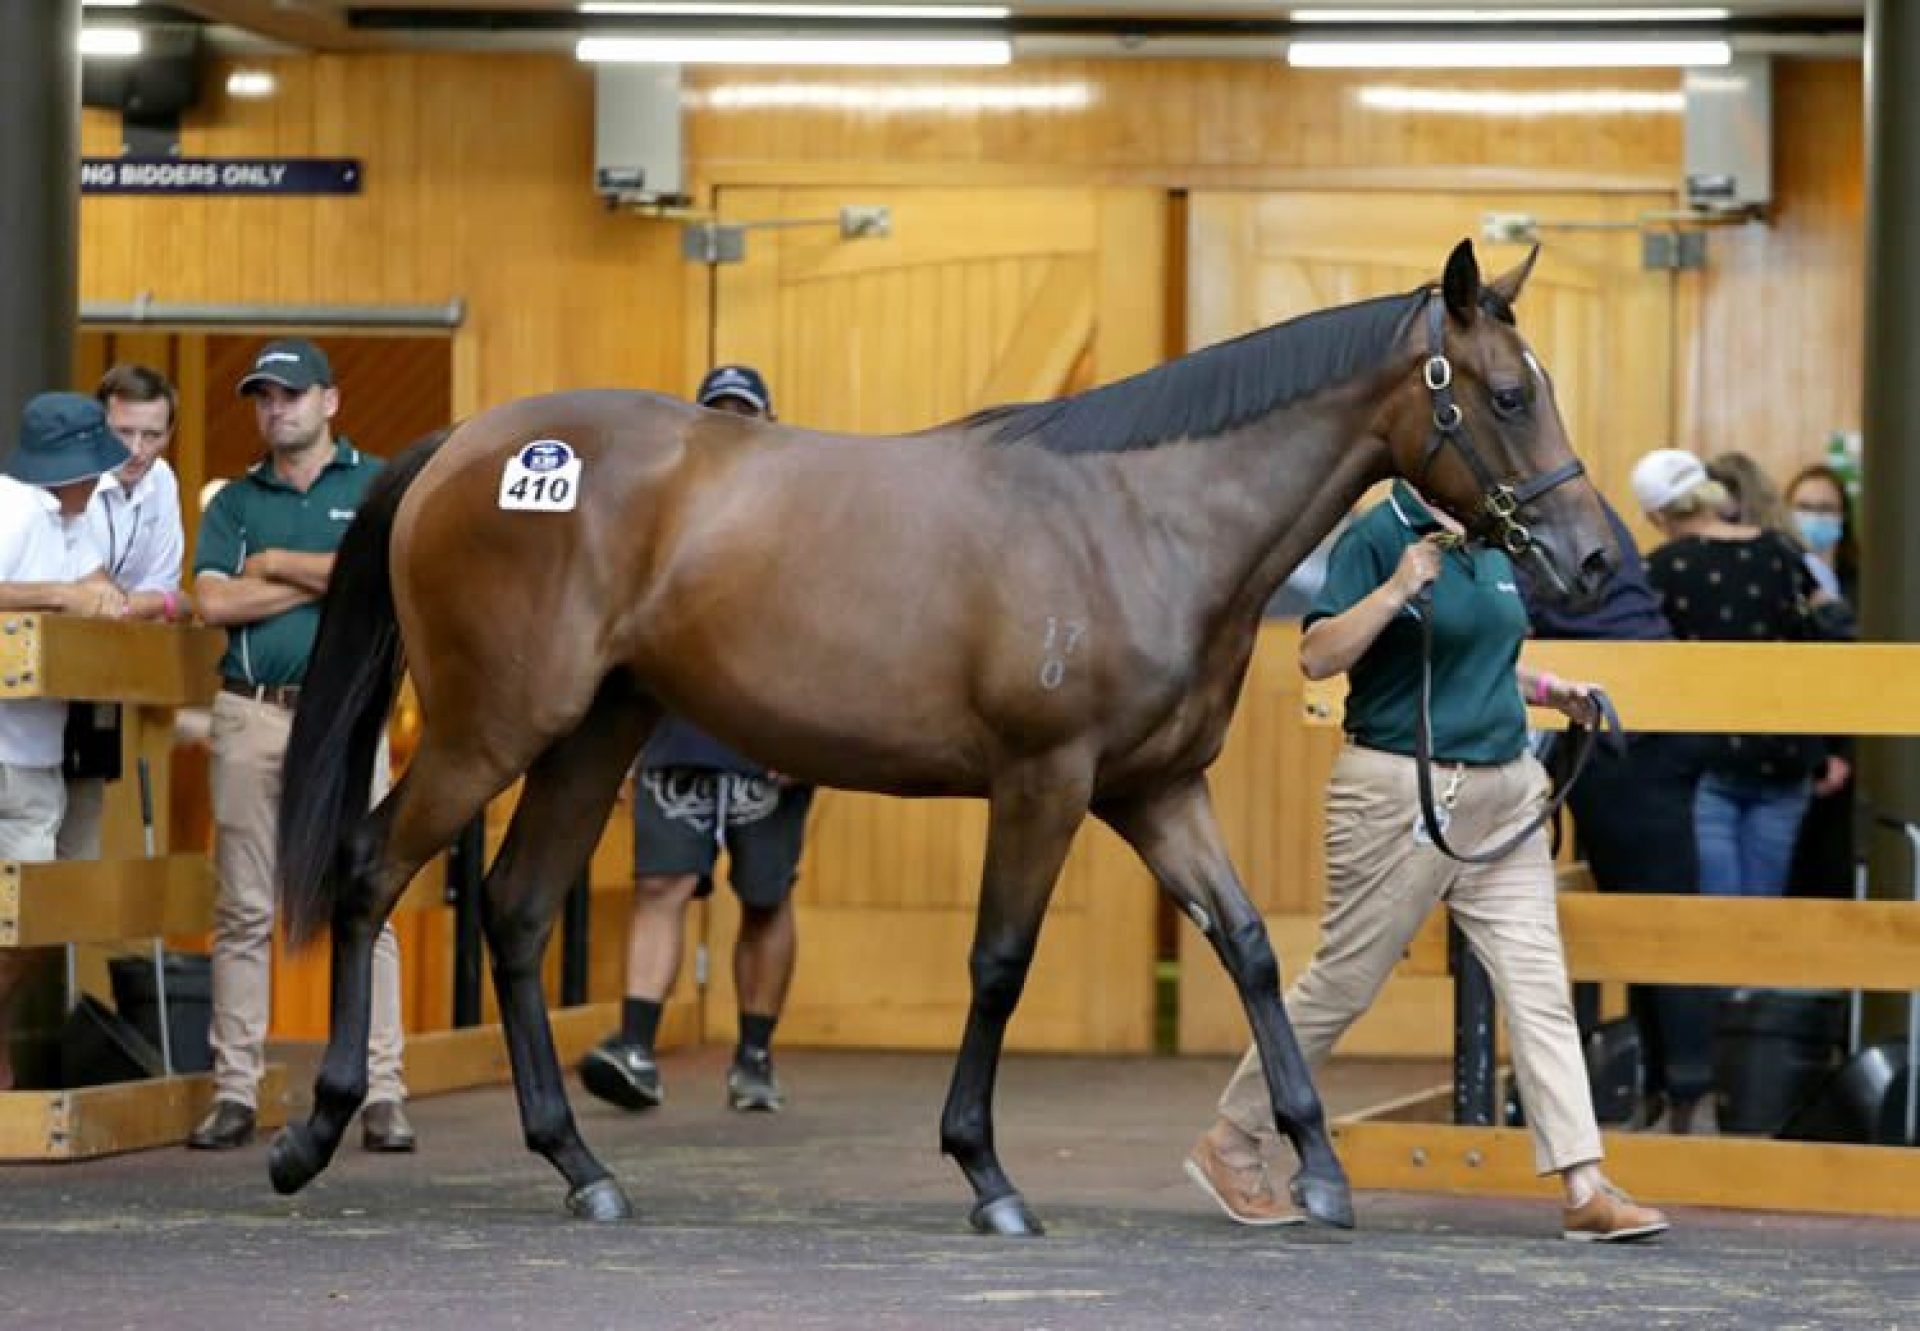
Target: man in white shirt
{"type": "Point", "coordinates": [63, 449]}
{"type": "Point", "coordinates": [134, 515]}
{"type": "Point", "coordinates": [130, 529]}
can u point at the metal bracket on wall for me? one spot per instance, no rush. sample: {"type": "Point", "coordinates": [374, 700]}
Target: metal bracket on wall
{"type": "Point", "coordinates": [1678, 251]}
{"type": "Point", "coordinates": [1669, 241]}
{"type": "Point", "coordinates": [726, 242]}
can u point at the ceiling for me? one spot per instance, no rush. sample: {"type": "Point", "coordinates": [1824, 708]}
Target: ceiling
{"type": "Point", "coordinates": [1776, 25]}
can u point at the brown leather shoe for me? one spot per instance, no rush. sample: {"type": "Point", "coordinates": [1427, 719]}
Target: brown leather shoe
{"type": "Point", "coordinates": [227, 1125]}
{"type": "Point", "coordinates": [384, 1127]}
{"type": "Point", "coordinates": [1610, 1216]}
{"type": "Point", "coordinates": [1243, 1191]}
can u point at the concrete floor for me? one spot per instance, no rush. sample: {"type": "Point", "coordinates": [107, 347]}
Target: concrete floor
{"type": "Point", "coordinates": [840, 1213]}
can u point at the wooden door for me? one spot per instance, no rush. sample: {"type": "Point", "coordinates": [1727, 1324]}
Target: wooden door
{"type": "Point", "coordinates": [976, 297]}
{"type": "Point", "coordinates": [1600, 324]}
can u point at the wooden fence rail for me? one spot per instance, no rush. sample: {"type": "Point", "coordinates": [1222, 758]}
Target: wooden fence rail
{"type": "Point", "coordinates": [1705, 688]}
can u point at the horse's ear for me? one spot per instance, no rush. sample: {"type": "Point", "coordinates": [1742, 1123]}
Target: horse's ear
{"type": "Point", "coordinates": [1461, 283]}
{"type": "Point", "coordinates": [1507, 286]}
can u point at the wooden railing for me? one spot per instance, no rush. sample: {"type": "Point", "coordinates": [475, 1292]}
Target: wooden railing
{"type": "Point", "coordinates": [149, 669]}
{"type": "Point", "coordinates": [1707, 688]}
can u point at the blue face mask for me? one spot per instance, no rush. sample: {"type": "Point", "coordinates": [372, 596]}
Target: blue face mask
{"type": "Point", "coordinates": [1821, 531]}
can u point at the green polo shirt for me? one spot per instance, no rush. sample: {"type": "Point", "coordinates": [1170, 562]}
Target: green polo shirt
{"type": "Point", "coordinates": [259, 511]}
{"type": "Point", "coordinates": [1479, 624]}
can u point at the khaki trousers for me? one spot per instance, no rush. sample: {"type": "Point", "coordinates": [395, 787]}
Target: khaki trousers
{"type": "Point", "coordinates": [33, 801]}
{"type": "Point", "coordinates": [1382, 883]}
{"type": "Point", "coordinates": [249, 739]}
{"type": "Point", "coordinates": [80, 827]}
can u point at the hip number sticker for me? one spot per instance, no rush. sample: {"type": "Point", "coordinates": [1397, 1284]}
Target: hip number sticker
{"type": "Point", "coordinates": [543, 477]}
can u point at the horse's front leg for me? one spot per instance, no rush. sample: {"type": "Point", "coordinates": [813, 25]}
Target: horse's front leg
{"type": "Point", "coordinates": [1175, 832]}
{"type": "Point", "coordinates": [1033, 813]}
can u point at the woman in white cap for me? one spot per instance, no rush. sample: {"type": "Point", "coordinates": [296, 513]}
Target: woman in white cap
{"type": "Point", "coordinates": [1722, 581]}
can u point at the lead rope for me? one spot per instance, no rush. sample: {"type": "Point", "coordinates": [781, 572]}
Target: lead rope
{"type": "Point", "coordinates": [1423, 755]}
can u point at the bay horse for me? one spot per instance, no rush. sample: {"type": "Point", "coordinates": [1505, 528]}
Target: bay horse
{"type": "Point", "coordinates": [1050, 606]}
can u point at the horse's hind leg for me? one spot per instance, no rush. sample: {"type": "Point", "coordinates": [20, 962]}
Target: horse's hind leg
{"type": "Point", "coordinates": [1031, 821]}
{"type": "Point", "coordinates": [441, 791]}
{"type": "Point", "coordinates": [569, 792]}
{"type": "Point", "coordinates": [1175, 832]}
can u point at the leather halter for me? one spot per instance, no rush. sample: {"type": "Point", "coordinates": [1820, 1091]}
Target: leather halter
{"type": "Point", "coordinates": [1499, 525]}
{"type": "Point", "coordinates": [1501, 504]}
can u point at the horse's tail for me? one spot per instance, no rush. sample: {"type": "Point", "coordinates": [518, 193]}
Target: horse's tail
{"type": "Point", "coordinates": [344, 700]}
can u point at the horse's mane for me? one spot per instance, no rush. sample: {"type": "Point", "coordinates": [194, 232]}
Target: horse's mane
{"type": "Point", "coordinates": [1215, 389]}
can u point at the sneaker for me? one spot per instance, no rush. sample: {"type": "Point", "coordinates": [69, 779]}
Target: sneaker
{"type": "Point", "coordinates": [384, 1127]}
{"type": "Point", "coordinates": [229, 1124]}
{"type": "Point", "coordinates": [1610, 1216]}
{"type": "Point", "coordinates": [1244, 1191]}
{"type": "Point", "coordinates": [751, 1084]}
{"type": "Point", "coordinates": [623, 1074]}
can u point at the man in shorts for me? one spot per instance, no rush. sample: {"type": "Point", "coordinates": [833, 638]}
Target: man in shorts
{"type": "Point", "coordinates": [692, 798]}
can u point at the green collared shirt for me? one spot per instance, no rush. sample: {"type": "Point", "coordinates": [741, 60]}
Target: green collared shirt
{"type": "Point", "coordinates": [1479, 624]}
{"type": "Point", "coordinates": [259, 511]}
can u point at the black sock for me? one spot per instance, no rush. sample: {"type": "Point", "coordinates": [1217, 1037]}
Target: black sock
{"type": "Point", "coordinates": [639, 1022]}
{"type": "Point", "coordinates": [756, 1034]}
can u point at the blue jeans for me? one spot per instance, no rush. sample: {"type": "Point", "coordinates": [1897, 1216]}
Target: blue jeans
{"type": "Point", "coordinates": [1746, 832]}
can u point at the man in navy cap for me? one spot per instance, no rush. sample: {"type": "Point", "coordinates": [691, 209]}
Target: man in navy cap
{"type": "Point", "coordinates": [261, 567]}
{"type": "Point", "coordinates": [63, 448]}
{"type": "Point", "coordinates": [693, 798]}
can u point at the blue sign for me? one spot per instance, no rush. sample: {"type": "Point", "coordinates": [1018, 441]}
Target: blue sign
{"type": "Point", "coordinates": [219, 175]}
{"type": "Point", "coordinates": [545, 455]}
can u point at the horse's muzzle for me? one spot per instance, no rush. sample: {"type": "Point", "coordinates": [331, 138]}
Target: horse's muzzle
{"type": "Point", "coordinates": [1580, 591]}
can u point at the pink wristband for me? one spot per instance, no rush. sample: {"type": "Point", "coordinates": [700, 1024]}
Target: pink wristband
{"type": "Point", "coordinates": [171, 602]}
{"type": "Point", "coordinates": [1543, 688]}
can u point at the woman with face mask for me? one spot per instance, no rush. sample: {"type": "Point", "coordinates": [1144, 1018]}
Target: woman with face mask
{"type": "Point", "coordinates": [1823, 516]}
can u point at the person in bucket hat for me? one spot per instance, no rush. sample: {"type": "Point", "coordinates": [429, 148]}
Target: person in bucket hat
{"type": "Point", "coordinates": [62, 450]}
{"type": "Point", "coordinates": [58, 456]}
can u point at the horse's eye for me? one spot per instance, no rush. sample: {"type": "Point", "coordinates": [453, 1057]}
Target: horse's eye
{"type": "Point", "coordinates": [1509, 402]}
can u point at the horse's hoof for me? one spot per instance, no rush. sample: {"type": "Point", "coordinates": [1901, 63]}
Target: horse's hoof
{"type": "Point", "coordinates": [599, 1200]}
{"type": "Point", "coordinates": [1324, 1201]}
{"type": "Point", "coordinates": [1007, 1216]}
{"type": "Point", "coordinates": [293, 1159]}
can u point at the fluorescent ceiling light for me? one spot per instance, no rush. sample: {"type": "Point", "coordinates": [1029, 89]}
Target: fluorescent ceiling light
{"type": "Point", "coordinates": [1522, 102]}
{"type": "Point", "coordinates": [1649, 14]}
{"type": "Point", "coordinates": [251, 84]}
{"type": "Point", "coordinates": [794, 51]}
{"type": "Point", "coordinates": [111, 42]}
{"type": "Point", "coordinates": [110, 4]}
{"type": "Point", "coordinates": [774, 9]}
{"type": "Point", "coordinates": [1505, 55]}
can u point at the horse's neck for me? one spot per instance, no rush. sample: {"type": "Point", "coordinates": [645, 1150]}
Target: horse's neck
{"type": "Point", "coordinates": [1265, 495]}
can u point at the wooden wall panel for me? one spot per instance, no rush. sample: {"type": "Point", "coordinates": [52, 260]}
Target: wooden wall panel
{"type": "Point", "coordinates": [477, 186]}
{"type": "Point", "coordinates": [1206, 122]}
{"type": "Point", "coordinates": [497, 209]}
{"type": "Point", "coordinates": [1772, 333]}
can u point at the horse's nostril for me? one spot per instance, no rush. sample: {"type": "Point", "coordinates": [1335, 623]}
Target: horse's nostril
{"type": "Point", "coordinates": [1595, 568]}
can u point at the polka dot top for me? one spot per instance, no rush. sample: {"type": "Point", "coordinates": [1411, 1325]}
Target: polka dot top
{"type": "Point", "coordinates": [1751, 590]}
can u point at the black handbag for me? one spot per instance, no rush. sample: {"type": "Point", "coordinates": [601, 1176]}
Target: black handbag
{"type": "Point", "coordinates": [92, 748]}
